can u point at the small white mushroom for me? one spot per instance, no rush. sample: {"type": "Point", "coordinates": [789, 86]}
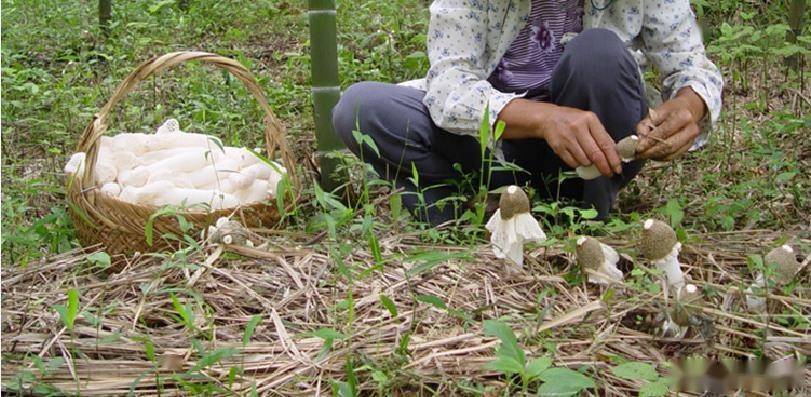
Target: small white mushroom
{"type": "Point", "coordinates": [136, 177]}
{"type": "Point", "coordinates": [227, 231]}
{"type": "Point", "coordinates": [258, 191]}
{"type": "Point", "coordinates": [512, 225]}
{"type": "Point", "coordinates": [111, 189]}
{"type": "Point", "coordinates": [76, 163]}
{"type": "Point", "coordinates": [244, 156]}
{"type": "Point", "coordinates": [626, 148]}
{"type": "Point", "coordinates": [134, 143]}
{"type": "Point", "coordinates": [660, 245]}
{"type": "Point", "coordinates": [170, 126]}
{"type": "Point", "coordinates": [173, 141]}
{"type": "Point", "coordinates": [105, 170]}
{"type": "Point", "coordinates": [190, 160]}
{"type": "Point", "coordinates": [599, 257]}
{"type": "Point", "coordinates": [242, 180]}
{"type": "Point", "coordinates": [178, 179]}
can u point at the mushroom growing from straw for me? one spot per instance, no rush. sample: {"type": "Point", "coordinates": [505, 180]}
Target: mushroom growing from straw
{"type": "Point", "coordinates": [600, 258]}
{"type": "Point", "coordinates": [661, 247]}
{"type": "Point", "coordinates": [783, 262]}
{"type": "Point", "coordinates": [512, 225]}
{"type": "Point", "coordinates": [626, 148]}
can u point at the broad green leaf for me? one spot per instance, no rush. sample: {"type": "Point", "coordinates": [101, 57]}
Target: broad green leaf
{"type": "Point", "coordinates": [563, 382]}
{"type": "Point", "coordinates": [388, 304]}
{"type": "Point", "coordinates": [654, 389]}
{"type": "Point", "coordinates": [101, 259]}
{"type": "Point", "coordinates": [505, 365]}
{"type": "Point", "coordinates": [432, 300]}
{"type": "Point", "coordinates": [509, 344]}
{"type": "Point", "coordinates": [590, 213]}
{"type": "Point", "coordinates": [537, 366]}
{"type": "Point", "coordinates": [327, 334]}
{"type": "Point", "coordinates": [636, 371]}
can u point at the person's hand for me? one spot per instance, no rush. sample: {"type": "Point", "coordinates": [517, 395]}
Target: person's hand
{"type": "Point", "coordinates": [579, 139]}
{"type": "Point", "coordinates": [670, 130]}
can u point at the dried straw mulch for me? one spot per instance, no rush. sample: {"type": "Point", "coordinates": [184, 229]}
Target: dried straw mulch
{"type": "Point", "coordinates": [299, 290]}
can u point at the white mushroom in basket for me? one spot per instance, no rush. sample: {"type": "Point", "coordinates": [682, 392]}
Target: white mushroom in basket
{"type": "Point", "coordinates": [512, 225]}
{"type": "Point", "coordinates": [75, 164]}
{"type": "Point", "coordinates": [660, 245]}
{"type": "Point", "coordinates": [626, 148]}
{"type": "Point", "coordinates": [600, 258]}
{"type": "Point", "coordinates": [783, 261]}
{"type": "Point", "coordinates": [170, 126]}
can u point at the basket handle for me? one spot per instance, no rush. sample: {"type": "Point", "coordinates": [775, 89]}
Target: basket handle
{"type": "Point", "coordinates": [274, 130]}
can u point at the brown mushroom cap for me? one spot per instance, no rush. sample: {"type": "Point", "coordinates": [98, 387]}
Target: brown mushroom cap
{"type": "Point", "coordinates": [785, 264]}
{"type": "Point", "coordinates": [234, 229]}
{"type": "Point", "coordinates": [627, 147]}
{"type": "Point", "coordinates": [658, 239]}
{"type": "Point", "coordinates": [513, 202]}
{"type": "Point", "coordinates": [589, 253]}
{"type": "Point", "coordinates": [688, 295]}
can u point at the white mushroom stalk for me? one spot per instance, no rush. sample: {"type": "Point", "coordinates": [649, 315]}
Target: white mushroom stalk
{"type": "Point", "coordinates": [755, 302]}
{"type": "Point", "coordinates": [626, 149]}
{"type": "Point", "coordinates": [600, 258]}
{"type": "Point", "coordinates": [512, 225]}
{"type": "Point", "coordinates": [660, 246]}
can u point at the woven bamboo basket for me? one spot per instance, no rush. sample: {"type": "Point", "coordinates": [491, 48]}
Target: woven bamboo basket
{"type": "Point", "coordinates": [121, 226]}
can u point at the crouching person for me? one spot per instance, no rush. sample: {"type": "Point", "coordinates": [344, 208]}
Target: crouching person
{"type": "Point", "coordinates": [564, 76]}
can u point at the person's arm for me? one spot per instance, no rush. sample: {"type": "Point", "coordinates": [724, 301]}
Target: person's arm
{"type": "Point", "coordinates": [693, 84]}
{"type": "Point", "coordinates": [575, 135]}
{"type": "Point", "coordinates": [458, 91]}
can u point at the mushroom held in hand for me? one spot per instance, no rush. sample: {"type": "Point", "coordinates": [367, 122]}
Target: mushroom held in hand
{"type": "Point", "coordinates": [512, 225]}
{"type": "Point", "coordinates": [594, 255]}
{"type": "Point", "coordinates": [660, 246]}
{"type": "Point", "coordinates": [785, 266]}
{"type": "Point", "coordinates": [626, 149]}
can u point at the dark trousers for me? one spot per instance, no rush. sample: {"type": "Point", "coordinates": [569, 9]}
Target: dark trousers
{"type": "Point", "coordinates": [595, 73]}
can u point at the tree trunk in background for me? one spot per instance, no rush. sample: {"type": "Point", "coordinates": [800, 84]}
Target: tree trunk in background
{"type": "Point", "coordinates": [105, 14]}
{"type": "Point", "coordinates": [796, 20]}
{"type": "Point", "coordinates": [325, 85]}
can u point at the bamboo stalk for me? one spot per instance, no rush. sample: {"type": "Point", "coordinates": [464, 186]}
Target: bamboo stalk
{"type": "Point", "coordinates": [105, 14]}
{"type": "Point", "coordinates": [325, 85]}
{"type": "Point", "coordinates": [796, 20]}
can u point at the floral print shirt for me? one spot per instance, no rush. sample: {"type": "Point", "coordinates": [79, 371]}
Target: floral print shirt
{"type": "Point", "coordinates": [468, 38]}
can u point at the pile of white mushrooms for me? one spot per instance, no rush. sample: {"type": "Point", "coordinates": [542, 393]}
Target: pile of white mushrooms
{"type": "Point", "coordinates": [172, 167]}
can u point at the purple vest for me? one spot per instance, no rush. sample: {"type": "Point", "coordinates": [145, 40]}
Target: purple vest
{"type": "Point", "coordinates": [533, 55]}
